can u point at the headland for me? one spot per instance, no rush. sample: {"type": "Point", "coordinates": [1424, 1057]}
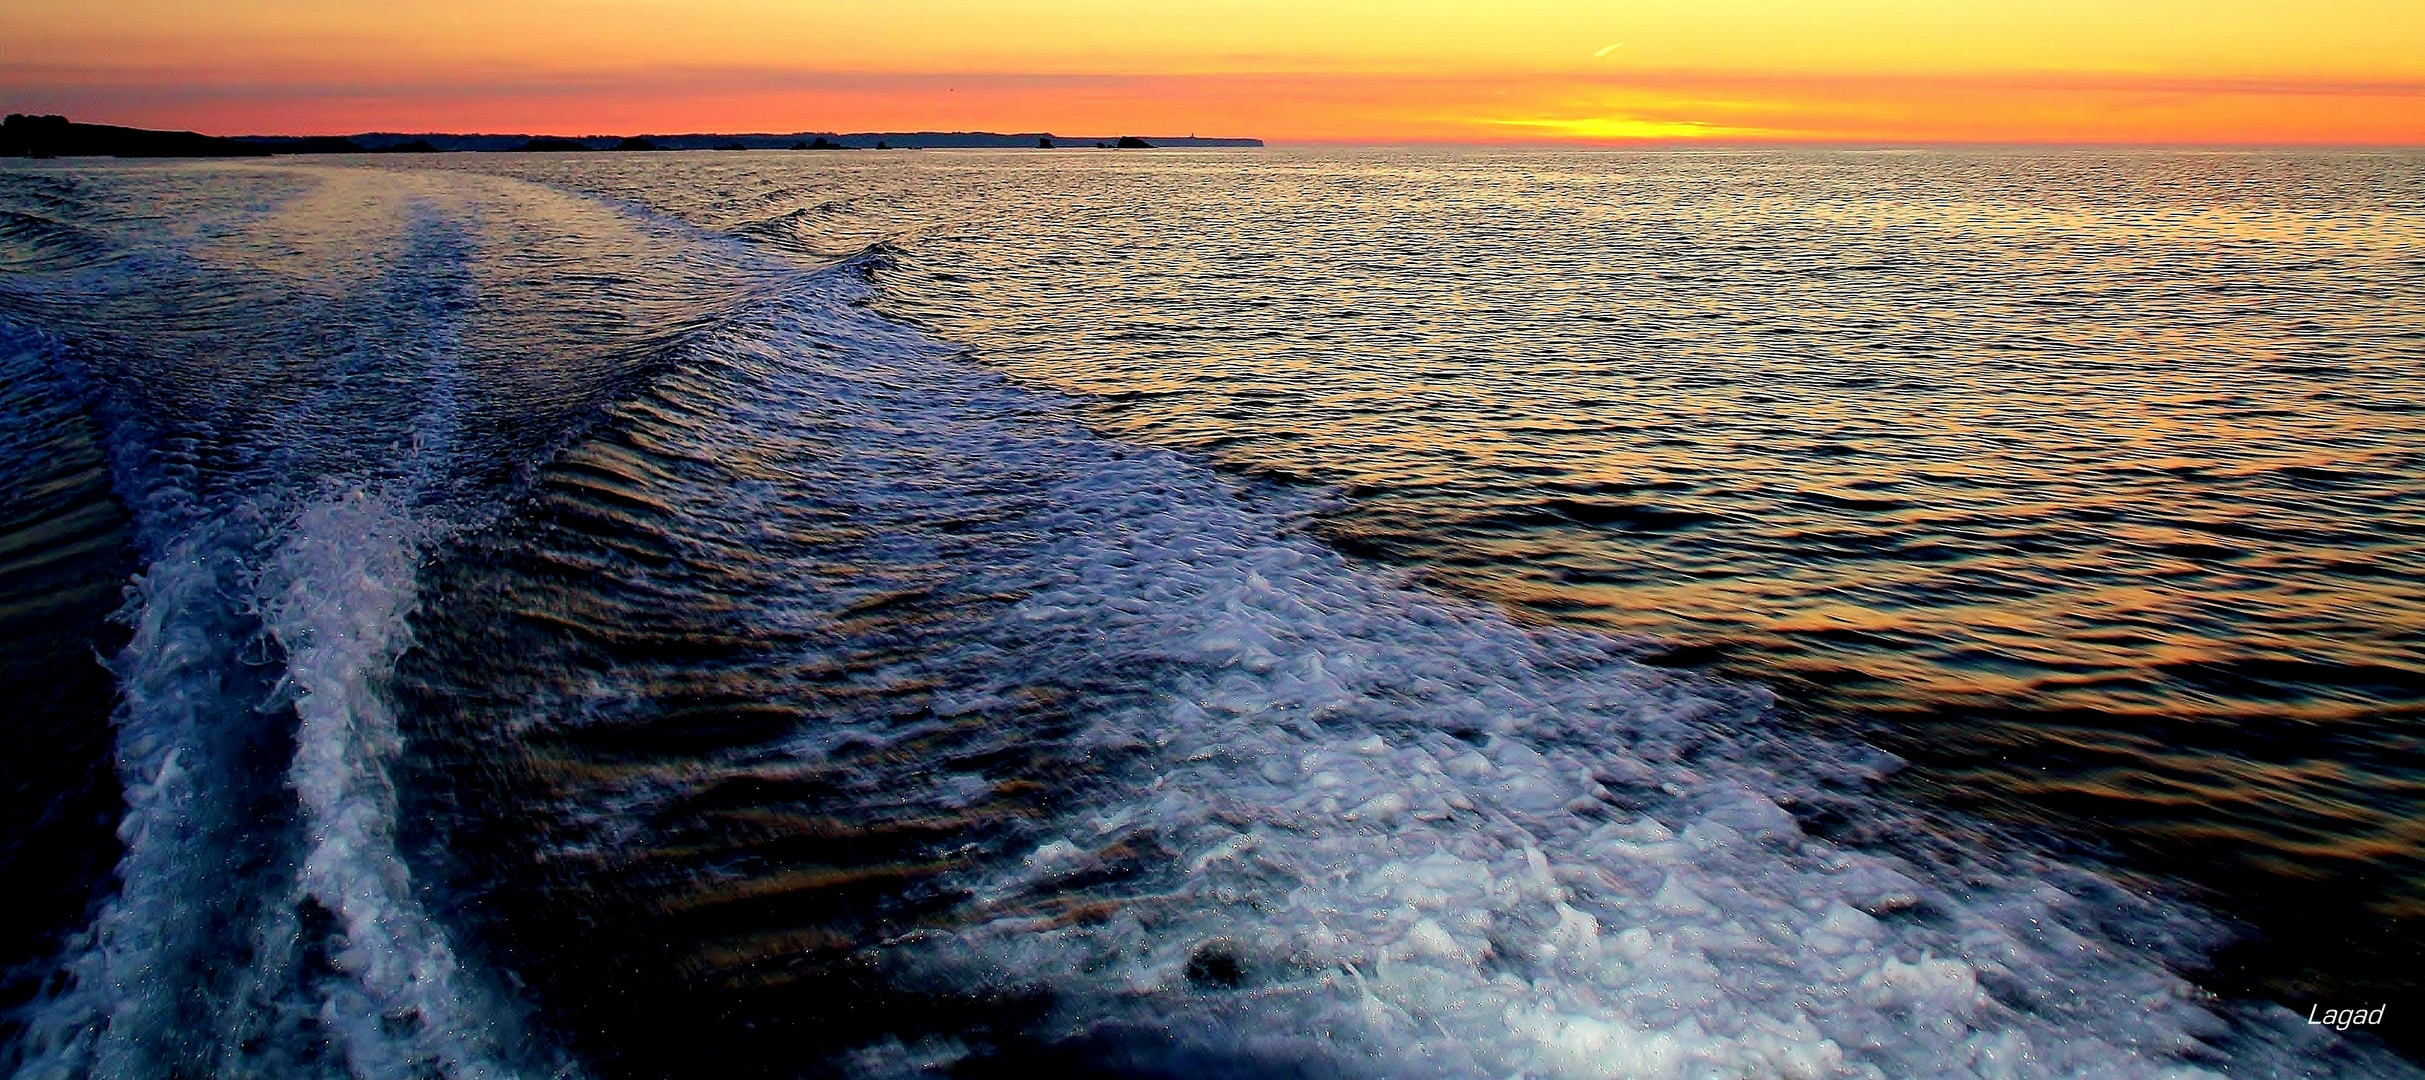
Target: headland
{"type": "Point", "coordinates": [56, 136]}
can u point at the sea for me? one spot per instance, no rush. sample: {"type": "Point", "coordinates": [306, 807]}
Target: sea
{"type": "Point", "coordinates": [1174, 613]}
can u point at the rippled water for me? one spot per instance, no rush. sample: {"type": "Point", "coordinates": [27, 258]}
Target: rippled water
{"type": "Point", "coordinates": [614, 615]}
{"type": "Point", "coordinates": [2092, 481]}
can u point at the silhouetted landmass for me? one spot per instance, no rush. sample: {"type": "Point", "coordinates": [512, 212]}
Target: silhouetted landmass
{"type": "Point", "coordinates": [56, 136]}
{"type": "Point", "coordinates": [1131, 142]}
{"type": "Point", "coordinates": [305, 144]}
{"type": "Point", "coordinates": [809, 140]}
{"type": "Point", "coordinates": [886, 140]}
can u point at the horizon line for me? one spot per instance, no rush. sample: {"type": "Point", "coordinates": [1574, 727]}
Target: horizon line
{"type": "Point", "coordinates": [1367, 142]}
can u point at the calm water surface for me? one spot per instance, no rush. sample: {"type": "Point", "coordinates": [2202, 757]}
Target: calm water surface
{"type": "Point", "coordinates": [594, 604]}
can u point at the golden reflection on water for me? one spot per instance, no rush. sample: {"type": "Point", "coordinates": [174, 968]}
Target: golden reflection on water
{"type": "Point", "coordinates": [2089, 480]}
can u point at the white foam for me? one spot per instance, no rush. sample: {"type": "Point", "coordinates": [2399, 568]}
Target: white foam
{"type": "Point", "coordinates": [336, 602]}
{"type": "Point", "coordinates": [161, 985]}
{"type": "Point", "coordinates": [285, 604]}
{"type": "Point", "coordinates": [1431, 842]}
{"type": "Point", "coordinates": [120, 1014]}
{"type": "Point", "coordinates": [1434, 843]}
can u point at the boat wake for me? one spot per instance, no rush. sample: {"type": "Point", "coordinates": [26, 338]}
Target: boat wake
{"type": "Point", "coordinates": [797, 696]}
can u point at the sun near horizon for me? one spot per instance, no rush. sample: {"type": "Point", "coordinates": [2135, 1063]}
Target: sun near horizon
{"type": "Point", "coordinates": [2344, 72]}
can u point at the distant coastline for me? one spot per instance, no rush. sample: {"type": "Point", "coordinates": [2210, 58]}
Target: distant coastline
{"type": "Point", "coordinates": [56, 136]}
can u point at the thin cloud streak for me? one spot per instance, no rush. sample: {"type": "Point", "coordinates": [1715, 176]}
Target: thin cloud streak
{"type": "Point", "coordinates": [238, 82]}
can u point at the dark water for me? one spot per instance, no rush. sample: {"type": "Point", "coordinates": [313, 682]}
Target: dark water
{"type": "Point", "coordinates": [1185, 614]}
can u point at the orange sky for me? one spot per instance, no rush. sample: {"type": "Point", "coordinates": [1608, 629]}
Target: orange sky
{"type": "Point", "coordinates": [2320, 71]}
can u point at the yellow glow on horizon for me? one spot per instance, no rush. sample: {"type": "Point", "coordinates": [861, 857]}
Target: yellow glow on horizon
{"type": "Point", "coordinates": [1808, 68]}
{"type": "Point", "coordinates": [1627, 128]}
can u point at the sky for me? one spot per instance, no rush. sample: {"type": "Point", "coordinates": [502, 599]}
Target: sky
{"type": "Point", "coordinates": [1521, 71]}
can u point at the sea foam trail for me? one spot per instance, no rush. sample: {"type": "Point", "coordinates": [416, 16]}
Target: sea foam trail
{"type": "Point", "coordinates": [265, 922]}
{"type": "Point", "coordinates": [1315, 821]}
{"type": "Point", "coordinates": [1333, 824]}
{"type": "Point", "coordinates": [344, 588]}
{"type": "Point", "coordinates": [128, 997]}
{"type": "Point", "coordinates": [1456, 851]}
{"type": "Point", "coordinates": [212, 957]}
